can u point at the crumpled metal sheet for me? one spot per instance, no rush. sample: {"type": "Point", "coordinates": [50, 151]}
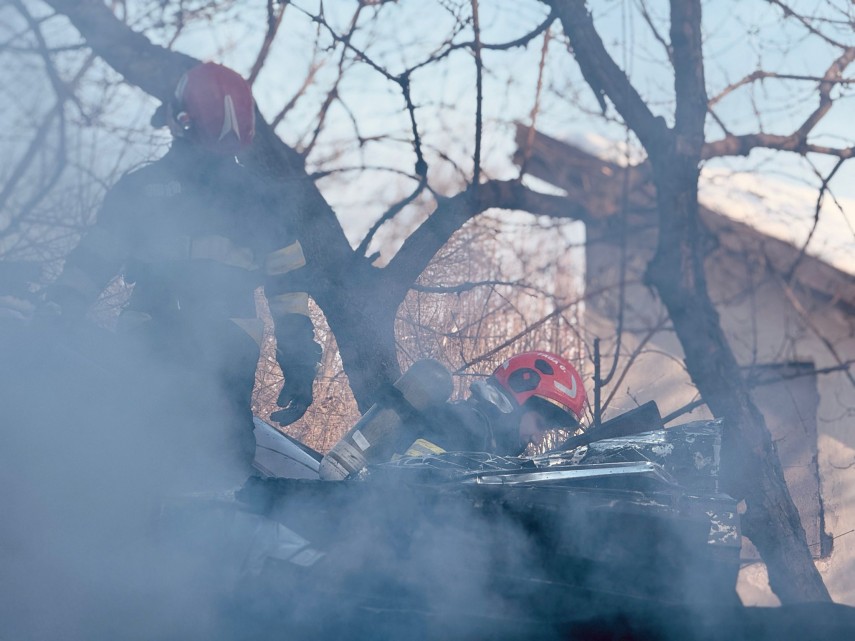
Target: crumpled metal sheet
{"type": "Point", "coordinates": [691, 453]}
{"type": "Point", "coordinates": [625, 470]}
{"type": "Point", "coordinates": [688, 455]}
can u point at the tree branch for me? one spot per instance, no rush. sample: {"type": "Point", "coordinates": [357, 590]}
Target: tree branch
{"type": "Point", "coordinates": [823, 188]}
{"type": "Point", "coordinates": [759, 74]}
{"type": "Point", "coordinates": [689, 85]}
{"type": "Point", "coordinates": [388, 215]}
{"type": "Point", "coordinates": [743, 145]}
{"type": "Point", "coordinates": [479, 93]}
{"type": "Point", "coordinates": [452, 213]}
{"type": "Point", "coordinates": [150, 67]}
{"type": "Point", "coordinates": [789, 13]}
{"type": "Point", "coordinates": [604, 75]}
{"type": "Point", "coordinates": [274, 21]}
{"type": "Point", "coordinates": [797, 142]}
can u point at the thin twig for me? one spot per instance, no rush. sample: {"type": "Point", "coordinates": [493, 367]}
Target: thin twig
{"type": "Point", "coordinates": [479, 93]}
{"type": "Point", "coordinates": [803, 313]}
{"type": "Point", "coordinates": [274, 20]}
{"type": "Point", "coordinates": [789, 13]}
{"type": "Point", "coordinates": [388, 215]}
{"type": "Point", "coordinates": [535, 108]}
{"type": "Point", "coordinates": [820, 197]}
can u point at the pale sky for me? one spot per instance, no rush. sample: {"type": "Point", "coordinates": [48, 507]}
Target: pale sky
{"type": "Point", "coordinates": [778, 196]}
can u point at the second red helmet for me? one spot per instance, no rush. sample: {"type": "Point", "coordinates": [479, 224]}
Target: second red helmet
{"type": "Point", "coordinates": [545, 376]}
{"type": "Point", "coordinates": [214, 106]}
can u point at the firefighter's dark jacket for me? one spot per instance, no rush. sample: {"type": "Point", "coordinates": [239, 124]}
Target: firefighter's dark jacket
{"type": "Point", "coordinates": [196, 234]}
{"type": "Point", "coordinates": [473, 425]}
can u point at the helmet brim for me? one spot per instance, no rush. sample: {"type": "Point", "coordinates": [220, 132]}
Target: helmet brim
{"type": "Point", "coordinates": [556, 415]}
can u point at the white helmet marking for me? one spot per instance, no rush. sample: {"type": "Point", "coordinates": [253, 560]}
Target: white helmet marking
{"type": "Point", "coordinates": [570, 391]}
{"type": "Point", "coordinates": [180, 87]}
{"type": "Point", "coordinates": [230, 121]}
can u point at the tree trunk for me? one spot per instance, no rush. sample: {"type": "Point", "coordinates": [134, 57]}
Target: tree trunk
{"type": "Point", "coordinates": [677, 274]}
{"type": "Point", "coordinates": [752, 470]}
{"type": "Point", "coordinates": [363, 324]}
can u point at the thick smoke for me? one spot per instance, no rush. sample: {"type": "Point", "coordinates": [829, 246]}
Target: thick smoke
{"type": "Point", "coordinates": [105, 534]}
{"type": "Point", "coordinates": [95, 437]}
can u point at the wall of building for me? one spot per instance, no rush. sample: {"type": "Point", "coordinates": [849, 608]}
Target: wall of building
{"type": "Point", "coordinates": [768, 321]}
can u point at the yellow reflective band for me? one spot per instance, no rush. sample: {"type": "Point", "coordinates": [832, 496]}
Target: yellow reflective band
{"type": "Point", "coordinates": [76, 279]}
{"type": "Point", "coordinates": [222, 250]}
{"type": "Point", "coordinates": [291, 303]}
{"type": "Point", "coordinates": [422, 447]}
{"type": "Point", "coordinates": [285, 260]}
{"type": "Point", "coordinates": [252, 326]}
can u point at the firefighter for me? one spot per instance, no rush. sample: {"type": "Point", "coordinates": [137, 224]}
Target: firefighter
{"type": "Point", "coordinates": [527, 395]}
{"type": "Point", "coordinates": [196, 234]}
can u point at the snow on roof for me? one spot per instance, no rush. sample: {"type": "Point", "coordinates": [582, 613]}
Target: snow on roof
{"type": "Point", "coordinates": [785, 211]}
{"type": "Point", "coordinates": [745, 210]}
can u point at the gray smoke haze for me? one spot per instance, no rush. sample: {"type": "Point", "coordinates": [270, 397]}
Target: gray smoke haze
{"type": "Point", "coordinates": [89, 451]}
{"type": "Point", "coordinates": [97, 543]}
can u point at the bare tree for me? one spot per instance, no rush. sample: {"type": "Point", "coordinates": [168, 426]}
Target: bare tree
{"type": "Point", "coordinates": [445, 182]}
{"type": "Point", "coordinates": [677, 271]}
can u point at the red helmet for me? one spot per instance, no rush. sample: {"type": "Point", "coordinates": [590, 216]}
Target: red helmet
{"type": "Point", "coordinates": [213, 106]}
{"type": "Point", "coordinates": [544, 376]}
